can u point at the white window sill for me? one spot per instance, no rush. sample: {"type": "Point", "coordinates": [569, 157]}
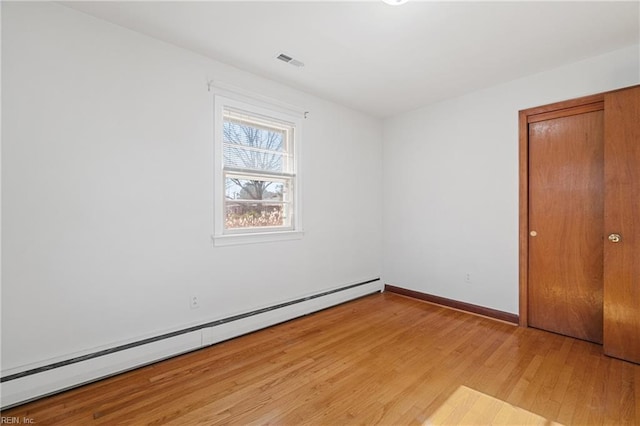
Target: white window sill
{"type": "Point", "coordinates": [255, 238]}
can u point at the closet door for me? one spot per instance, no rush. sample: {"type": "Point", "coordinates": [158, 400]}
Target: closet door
{"type": "Point", "coordinates": [622, 225]}
{"type": "Point", "coordinates": [566, 219]}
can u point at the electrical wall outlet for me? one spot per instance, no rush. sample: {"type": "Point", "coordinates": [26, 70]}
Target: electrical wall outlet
{"type": "Point", "coordinates": [467, 278]}
{"type": "Point", "coordinates": [194, 303]}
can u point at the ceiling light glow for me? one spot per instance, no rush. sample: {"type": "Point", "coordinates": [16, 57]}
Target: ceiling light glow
{"type": "Point", "coordinates": [395, 2]}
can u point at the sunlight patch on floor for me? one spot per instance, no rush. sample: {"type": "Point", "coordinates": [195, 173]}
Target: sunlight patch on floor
{"type": "Point", "coordinates": [469, 407]}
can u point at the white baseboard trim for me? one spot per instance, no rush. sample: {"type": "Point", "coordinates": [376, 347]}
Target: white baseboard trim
{"type": "Point", "coordinates": [17, 389]}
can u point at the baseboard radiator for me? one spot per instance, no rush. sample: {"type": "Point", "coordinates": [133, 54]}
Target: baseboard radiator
{"type": "Point", "coordinates": [24, 384]}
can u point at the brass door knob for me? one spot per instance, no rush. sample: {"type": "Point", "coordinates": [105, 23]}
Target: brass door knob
{"type": "Point", "coordinates": [615, 238]}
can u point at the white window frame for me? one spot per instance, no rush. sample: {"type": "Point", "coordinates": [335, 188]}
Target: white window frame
{"type": "Point", "coordinates": [222, 237]}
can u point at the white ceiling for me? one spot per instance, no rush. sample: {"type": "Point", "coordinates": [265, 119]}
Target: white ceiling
{"type": "Point", "coordinates": [384, 59]}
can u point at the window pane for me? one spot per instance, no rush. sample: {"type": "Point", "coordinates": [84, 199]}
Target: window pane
{"type": "Point", "coordinates": [240, 215]}
{"type": "Point", "coordinates": [239, 157]}
{"type": "Point", "coordinates": [255, 202]}
{"type": "Point", "coordinates": [239, 188]}
{"type": "Point", "coordinates": [252, 135]}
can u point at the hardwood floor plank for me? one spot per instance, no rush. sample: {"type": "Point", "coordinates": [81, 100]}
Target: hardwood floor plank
{"type": "Point", "coordinates": [619, 395]}
{"type": "Point", "coordinates": [544, 401]}
{"type": "Point", "coordinates": [383, 359]}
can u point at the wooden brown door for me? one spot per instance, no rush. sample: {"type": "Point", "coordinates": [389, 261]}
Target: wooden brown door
{"type": "Point", "coordinates": [566, 202]}
{"type": "Point", "coordinates": [622, 217]}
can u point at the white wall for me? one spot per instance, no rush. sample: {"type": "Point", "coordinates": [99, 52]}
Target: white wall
{"type": "Point", "coordinates": [107, 191]}
{"type": "Point", "coordinates": [450, 181]}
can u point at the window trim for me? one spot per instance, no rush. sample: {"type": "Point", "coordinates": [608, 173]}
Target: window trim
{"type": "Point", "coordinates": [222, 99]}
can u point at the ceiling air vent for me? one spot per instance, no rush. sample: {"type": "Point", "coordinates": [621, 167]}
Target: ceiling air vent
{"type": "Point", "coordinates": [288, 59]}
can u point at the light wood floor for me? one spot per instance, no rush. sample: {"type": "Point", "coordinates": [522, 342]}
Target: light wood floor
{"type": "Point", "coordinates": [383, 359]}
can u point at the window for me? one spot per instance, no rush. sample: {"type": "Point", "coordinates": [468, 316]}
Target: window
{"type": "Point", "coordinates": [257, 183]}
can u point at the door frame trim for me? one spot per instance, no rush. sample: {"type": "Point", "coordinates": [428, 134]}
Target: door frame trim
{"type": "Point", "coordinates": [531, 115]}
